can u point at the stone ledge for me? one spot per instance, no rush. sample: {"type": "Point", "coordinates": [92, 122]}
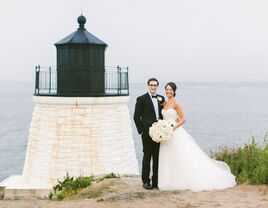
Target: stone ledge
{"type": "Point", "coordinates": [14, 194]}
{"type": "Point", "coordinates": [80, 100]}
{"type": "Point", "coordinates": [17, 187]}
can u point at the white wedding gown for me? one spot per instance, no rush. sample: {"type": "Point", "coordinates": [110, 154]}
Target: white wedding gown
{"type": "Point", "coordinates": [183, 165]}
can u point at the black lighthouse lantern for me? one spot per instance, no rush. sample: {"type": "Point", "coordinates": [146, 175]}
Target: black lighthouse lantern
{"type": "Point", "coordinates": [80, 69]}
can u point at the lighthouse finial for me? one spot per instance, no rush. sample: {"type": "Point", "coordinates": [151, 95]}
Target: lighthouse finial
{"type": "Point", "coordinates": [82, 6]}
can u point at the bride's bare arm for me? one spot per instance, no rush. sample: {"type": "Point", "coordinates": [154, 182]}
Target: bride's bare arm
{"type": "Point", "coordinates": [181, 119]}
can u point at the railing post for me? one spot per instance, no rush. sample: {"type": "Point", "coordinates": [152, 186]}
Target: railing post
{"type": "Point", "coordinates": [56, 79]}
{"type": "Point", "coordinates": [36, 84]}
{"type": "Point", "coordinates": [38, 67]}
{"type": "Point", "coordinates": [119, 80]}
{"type": "Point", "coordinates": [49, 88]}
{"type": "Point", "coordinates": [127, 82]}
{"type": "Point", "coordinates": [37, 70]}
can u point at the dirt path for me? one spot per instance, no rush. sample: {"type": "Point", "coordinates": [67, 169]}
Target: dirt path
{"type": "Point", "coordinates": [128, 192]}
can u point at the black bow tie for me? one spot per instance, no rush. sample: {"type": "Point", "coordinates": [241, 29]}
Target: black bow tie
{"type": "Point", "coordinates": [154, 96]}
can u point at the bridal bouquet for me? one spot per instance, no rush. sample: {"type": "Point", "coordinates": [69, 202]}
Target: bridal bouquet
{"type": "Point", "coordinates": [161, 131]}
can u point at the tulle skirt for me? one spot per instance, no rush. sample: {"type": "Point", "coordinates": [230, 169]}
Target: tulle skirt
{"type": "Point", "coordinates": [184, 166]}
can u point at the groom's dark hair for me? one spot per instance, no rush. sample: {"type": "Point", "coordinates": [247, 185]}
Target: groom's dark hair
{"type": "Point", "coordinates": [152, 79]}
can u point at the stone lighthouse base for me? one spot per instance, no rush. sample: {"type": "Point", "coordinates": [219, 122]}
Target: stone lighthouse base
{"type": "Point", "coordinates": [81, 136]}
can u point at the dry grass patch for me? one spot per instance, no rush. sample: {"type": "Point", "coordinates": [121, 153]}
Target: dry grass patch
{"type": "Point", "coordinates": [97, 190]}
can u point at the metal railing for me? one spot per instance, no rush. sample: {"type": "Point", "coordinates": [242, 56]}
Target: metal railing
{"type": "Point", "coordinates": [112, 81]}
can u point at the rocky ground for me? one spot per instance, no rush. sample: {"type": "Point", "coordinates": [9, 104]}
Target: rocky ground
{"type": "Point", "coordinates": [128, 192]}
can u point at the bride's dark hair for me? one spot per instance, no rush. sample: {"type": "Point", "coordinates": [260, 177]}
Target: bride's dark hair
{"type": "Point", "coordinates": [173, 86]}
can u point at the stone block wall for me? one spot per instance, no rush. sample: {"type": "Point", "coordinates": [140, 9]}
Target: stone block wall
{"type": "Point", "coordinates": [81, 136]}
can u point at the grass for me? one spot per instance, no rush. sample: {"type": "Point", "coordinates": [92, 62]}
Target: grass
{"type": "Point", "coordinates": [248, 163]}
{"type": "Point", "coordinates": [97, 189]}
{"type": "Point", "coordinates": [70, 186]}
{"type": "Point", "coordinates": [111, 175]}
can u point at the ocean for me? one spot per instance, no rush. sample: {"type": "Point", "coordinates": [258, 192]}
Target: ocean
{"type": "Point", "coordinates": [217, 114]}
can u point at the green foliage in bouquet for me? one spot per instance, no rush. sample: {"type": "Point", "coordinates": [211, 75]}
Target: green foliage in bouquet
{"type": "Point", "coordinates": [248, 163]}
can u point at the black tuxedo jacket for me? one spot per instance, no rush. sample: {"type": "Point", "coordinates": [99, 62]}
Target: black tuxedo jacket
{"type": "Point", "coordinates": [144, 115]}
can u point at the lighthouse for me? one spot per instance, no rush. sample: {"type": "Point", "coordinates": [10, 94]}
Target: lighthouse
{"type": "Point", "coordinates": [81, 122]}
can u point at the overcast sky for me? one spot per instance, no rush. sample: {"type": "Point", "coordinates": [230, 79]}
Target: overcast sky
{"type": "Point", "coordinates": [178, 40]}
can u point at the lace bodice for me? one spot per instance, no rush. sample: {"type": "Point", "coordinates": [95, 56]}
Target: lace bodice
{"type": "Point", "coordinates": [170, 114]}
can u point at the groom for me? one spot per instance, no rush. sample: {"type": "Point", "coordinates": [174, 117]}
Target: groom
{"type": "Point", "coordinates": [147, 111]}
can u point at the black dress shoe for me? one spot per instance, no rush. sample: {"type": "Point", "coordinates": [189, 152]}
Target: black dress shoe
{"type": "Point", "coordinates": [155, 187]}
{"type": "Point", "coordinates": [147, 186]}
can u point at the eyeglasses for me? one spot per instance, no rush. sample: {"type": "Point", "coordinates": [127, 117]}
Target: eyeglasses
{"type": "Point", "coordinates": [152, 85]}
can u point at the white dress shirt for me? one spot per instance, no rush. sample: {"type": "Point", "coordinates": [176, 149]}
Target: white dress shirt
{"type": "Point", "coordinates": [155, 102]}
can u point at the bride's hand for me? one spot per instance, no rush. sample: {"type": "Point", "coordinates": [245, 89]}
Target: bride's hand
{"type": "Point", "coordinates": [176, 124]}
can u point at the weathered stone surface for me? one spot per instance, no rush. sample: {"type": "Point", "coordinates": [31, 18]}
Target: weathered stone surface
{"type": "Point", "coordinates": [81, 136]}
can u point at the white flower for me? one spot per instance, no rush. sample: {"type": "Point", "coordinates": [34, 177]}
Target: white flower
{"type": "Point", "coordinates": [161, 131]}
{"type": "Point", "coordinates": [159, 98]}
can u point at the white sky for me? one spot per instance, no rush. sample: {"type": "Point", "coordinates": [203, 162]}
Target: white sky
{"type": "Point", "coordinates": [172, 40]}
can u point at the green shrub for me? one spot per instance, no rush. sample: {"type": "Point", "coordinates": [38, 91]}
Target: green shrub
{"type": "Point", "coordinates": [111, 175]}
{"type": "Point", "coordinates": [69, 186]}
{"type": "Point", "coordinates": [248, 163]}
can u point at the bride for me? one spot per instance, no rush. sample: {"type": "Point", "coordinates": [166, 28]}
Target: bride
{"type": "Point", "coordinates": [182, 163]}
